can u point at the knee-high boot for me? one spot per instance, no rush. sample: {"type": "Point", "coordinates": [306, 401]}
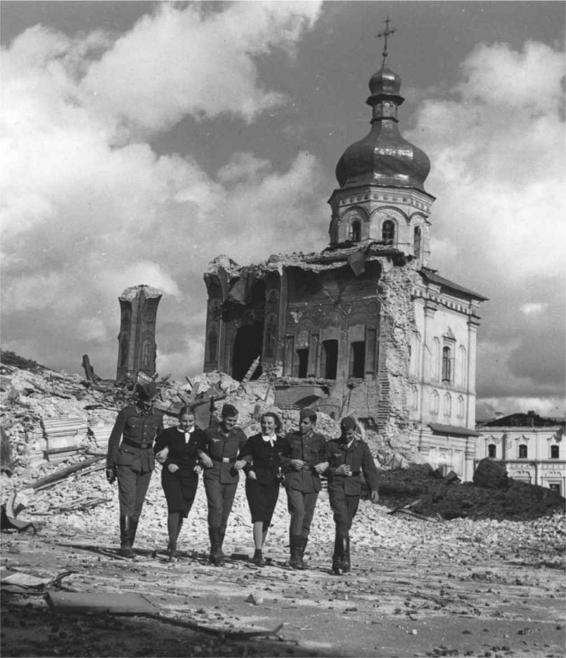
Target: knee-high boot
{"type": "Point", "coordinates": [346, 559]}
{"type": "Point", "coordinates": [338, 556]}
{"type": "Point", "coordinates": [125, 536]}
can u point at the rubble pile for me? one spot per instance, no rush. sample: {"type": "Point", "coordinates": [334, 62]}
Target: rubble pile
{"type": "Point", "coordinates": [37, 401]}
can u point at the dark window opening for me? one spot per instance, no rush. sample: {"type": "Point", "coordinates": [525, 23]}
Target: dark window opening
{"type": "Point", "coordinates": [523, 452]}
{"type": "Point", "coordinates": [357, 359]}
{"type": "Point", "coordinates": [270, 338]}
{"type": "Point", "coordinates": [554, 452]}
{"type": "Point", "coordinates": [329, 359]}
{"type": "Point", "coordinates": [491, 451]}
{"type": "Point", "coordinates": [303, 356]}
{"type": "Point", "coordinates": [247, 347]}
{"type": "Point", "coordinates": [388, 231]}
{"type": "Point", "coordinates": [417, 242]}
{"type": "Point", "coordinates": [446, 364]}
{"type": "Point", "coordinates": [554, 486]}
{"type": "Point", "coordinates": [355, 231]}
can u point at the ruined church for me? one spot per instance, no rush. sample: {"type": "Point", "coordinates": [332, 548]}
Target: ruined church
{"type": "Point", "coordinates": [364, 326]}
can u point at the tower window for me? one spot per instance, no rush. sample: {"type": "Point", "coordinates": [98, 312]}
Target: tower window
{"type": "Point", "coordinates": [492, 451]}
{"type": "Point", "coordinates": [417, 242]}
{"type": "Point", "coordinates": [212, 345]}
{"type": "Point", "coordinates": [523, 451]}
{"type": "Point", "coordinates": [357, 359]}
{"type": "Point", "coordinates": [355, 231]}
{"type": "Point", "coordinates": [554, 452]}
{"type": "Point", "coordinates": [388, 232]}
{"type": "Point", "coordinates": [303, 357]}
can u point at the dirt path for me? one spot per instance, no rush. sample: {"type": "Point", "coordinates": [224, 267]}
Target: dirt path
{"type": "Point", "coordinates": [441, 589]}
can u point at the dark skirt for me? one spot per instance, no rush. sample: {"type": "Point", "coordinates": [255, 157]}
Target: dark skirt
{"type": "Point", "coordinates": [262, 499]}
{"type": "Point", "coordinates": [180, 489]}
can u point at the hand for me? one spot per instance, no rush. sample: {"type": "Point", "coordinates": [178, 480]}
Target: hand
{"type": "Point", "coordinates": [252, 475]}
{"type": "Point", "coordinates": [375, 496]}
{"type": "Point", "coordinates": [320, 468]}
{"type": "Point", "coordinates": [206, 460]}
{"type": "Point", "coordinates": [172, 468]}
{"type": "Point", "coordinates": [161, 456]}
{"type": "Point", "coordinates": [111, 475]}
{"type": "Point", "coordinates": [344, 469]}
{"type": "Point", "coordinates": [239, 465]}
{"type": "Point", "coordinates": [297, 464]}
{"type": "Point", "coordinates": [198, 469]}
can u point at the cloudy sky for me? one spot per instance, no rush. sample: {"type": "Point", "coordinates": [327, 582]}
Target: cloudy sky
{"type": "Point", "coordinates": [140, 140]}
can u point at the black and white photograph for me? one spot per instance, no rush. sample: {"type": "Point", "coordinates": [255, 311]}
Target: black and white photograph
{"type": "Point", "coordinates": [283, 328]}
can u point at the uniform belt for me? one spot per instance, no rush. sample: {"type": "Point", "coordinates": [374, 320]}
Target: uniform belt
{"type": "Point", "coordinates": [226, 460]}
{"type": "Point", "coordinates": [133, 444]}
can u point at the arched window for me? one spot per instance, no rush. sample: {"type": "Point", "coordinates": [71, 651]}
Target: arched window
{"type": "Point", "coordinates": [434, 402]}
{"type": "Point", "coordinates": [492, 451]}
{"type": "Point", "coordinates": [446, 364]}
{"type": "Point", "coordinates": [388, 231]}
{"type": "Point", "coordinates": [554, 452]}
{"type": "Point", "coordinates": [146, 355]}
{"type": "Point", "coordinates": [417, 242]}
{"type": "Point", "coordinates": [460, 406]}
{"type": "Point", "coordinates": [523, 451]}
{"type": "Point", "coordinates": [414, 354]}
{"type": "Point", "coordinates": [447, 406]}
{"type": "Point", "coordinates": [355, 233]}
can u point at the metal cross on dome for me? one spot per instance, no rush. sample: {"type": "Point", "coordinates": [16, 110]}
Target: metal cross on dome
{"type": "Point", "coordinates": [387, 32]}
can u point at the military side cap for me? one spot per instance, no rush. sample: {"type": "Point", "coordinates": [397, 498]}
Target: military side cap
{"type": "Point", "coordinates": [146, 391]}
{"type": "Point", "coordinates": [307, 413]}
{"type": "Point", "coordinates": [348, 423]}
{"type": "Point", "coordinates": [229, 410]}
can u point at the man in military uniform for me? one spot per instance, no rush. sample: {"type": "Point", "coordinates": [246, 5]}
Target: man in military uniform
{"type": "Point", "coordinates": [348, 458]}
{"type": "Point", "coordinates": [303, 460]}
{"type": "Point", "coordinates": [221, 475]}
{"type": "Point", "coordinates": [130, 459]}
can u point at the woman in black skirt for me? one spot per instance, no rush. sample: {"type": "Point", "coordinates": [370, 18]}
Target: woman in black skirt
{"type": "Point", "coordinates": [263, 454]}
{"type": "Point", "coordinates": [177, 450]}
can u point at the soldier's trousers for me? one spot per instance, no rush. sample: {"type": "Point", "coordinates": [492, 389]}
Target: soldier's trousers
{"type": "Point", "coordinates": [132, 487]}
{"type": "Point", "coordinates": [301, 509]}
{"type": "Point", "coordinates": [344, 508]}
{"type": "Point", "coordinates": [220, 498]}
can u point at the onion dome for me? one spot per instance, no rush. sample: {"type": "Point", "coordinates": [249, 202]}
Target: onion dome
{"type": "Point", "coordinates": [383, 157]}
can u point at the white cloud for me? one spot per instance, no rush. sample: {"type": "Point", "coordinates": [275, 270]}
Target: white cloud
{"type": "Point", "coordinates": [533, 308]}
{"type": "Point", "coordinates": [193, 61]}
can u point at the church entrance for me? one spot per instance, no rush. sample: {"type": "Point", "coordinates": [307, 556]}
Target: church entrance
{"type": "Point", "coordinates": [247, 347]}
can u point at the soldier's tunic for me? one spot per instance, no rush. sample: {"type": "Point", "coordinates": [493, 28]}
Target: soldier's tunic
{"type": "Point", "coordinates": [302, 486]}
{"type": "Point", "coordinates": [130, 454]}
{"type": "Point", "coordinates": [221, 479]}
{"type": "Point", "coordinates": [344, 490]}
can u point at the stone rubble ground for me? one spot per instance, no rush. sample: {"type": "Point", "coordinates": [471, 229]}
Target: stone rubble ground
{"type": "Point", "coordinates": [498, 561]}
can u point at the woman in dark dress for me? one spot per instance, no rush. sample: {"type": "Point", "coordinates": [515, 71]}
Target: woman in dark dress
{"type": "Point", "coordinates": [177, 450]}
{"type": "Point", "coordinates": [263, 454]}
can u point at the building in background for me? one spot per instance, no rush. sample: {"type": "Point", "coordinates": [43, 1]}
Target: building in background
{"type": "Point", "coordinates": [530, 446]}
{"type": "Point", "coordinates": [365, 326]}
{"type": "Point", "coordinates": [136, 340]}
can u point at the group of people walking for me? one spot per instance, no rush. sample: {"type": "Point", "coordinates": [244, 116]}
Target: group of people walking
{"type": "Point", "coordinates": [268, 459]}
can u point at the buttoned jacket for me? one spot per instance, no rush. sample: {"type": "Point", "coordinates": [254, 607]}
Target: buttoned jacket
{"type": "Point", "coordinates": [131, 440]}
{"type": "Point", "coordinates": [223, 448]}
{"type": "Point", "coordinates": [359, 458]}
{"type": "Point", "coordinates": [264, 459]}
{"type": "Point", "coordinates": [311, 449]}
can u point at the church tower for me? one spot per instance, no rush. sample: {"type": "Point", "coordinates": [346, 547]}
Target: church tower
{"type": "Point", "coordinates": [381, 197]}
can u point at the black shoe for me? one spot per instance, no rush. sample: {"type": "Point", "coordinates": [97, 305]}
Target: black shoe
{"type": "Point", "coordinates": [258, 558]}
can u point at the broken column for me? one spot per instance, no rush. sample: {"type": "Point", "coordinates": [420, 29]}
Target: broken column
{"type": "Point", "coordinates": [136, 340]}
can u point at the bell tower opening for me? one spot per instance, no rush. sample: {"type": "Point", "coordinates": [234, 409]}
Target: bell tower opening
{"type": "Point", "coordinates": [247, 347]}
